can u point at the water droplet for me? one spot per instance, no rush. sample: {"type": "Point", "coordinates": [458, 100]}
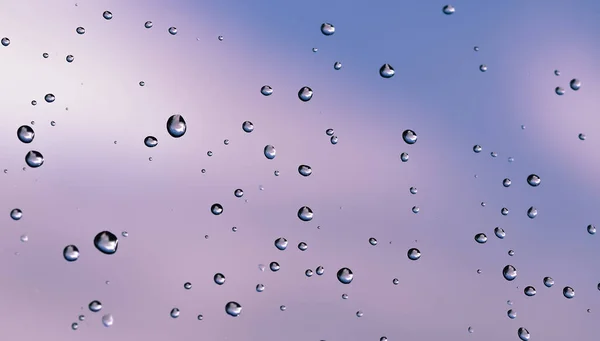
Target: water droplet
{"type": "Point", "coordinates": [233, 309]}
{"type": "Point", "coordinates": [481, 238]}
{"type": "Point", "coordinates": [337, 65]}
{"type": "Point", "coordinates": [49, 98]}
{"type": "Point", "coordinates": [314, 50]}
{"type": "Point", "coordinates": [45, 55]}
{"type": "Point", "coordinates": [509, 272]}
{"type": "Point", "coordinates": [523, 334]}
{"type": "Point", "coordinates": [395, 281]}
{"type": "Point", "coordinates": [25, 134]}
{"type": "Point", "coordinates": [305, 213]}
{"type": "Point", "coordinates": [260, 288]}
{"type": "Point", "coordinates": [221, 38]}
{"type": "Point", "coordinates": [559, 91]}
{"type": "Point", "coordinates": [209, 153]}
{"type": "Point", "coordinates": [24, 238]}
{"type": "Point", "coordinates": [334, 140]}
{"type": "Point", "coordinates": [81, 317]}
{"type": "Point", "coordinates": [266, 90]}
{"type": "Point", "coordinates": [448, 9]}
{"type": "Point", "coordinates": [304, 170]}
{"type": "Point", "coordinates": [150, 141]}
{"type": "Point", "coordinates": [511, 314]}
{"type": "Point", "coordinates": [556, 72]}
{"type": "Point", "coordinates": [107, 15]}
{"type": "Point", "coordinates": [511, 159]}
{"type": "Point", "coordinates": [320, 270]}
{"type": "Point", "coordinates": [274, 266]}
{"type": "Point", "coordinates": [575, 84]}
{"type": "Point", "coordinates": [34, 159]}
{"type": "Point", "coordinates": [261, 267]}
{"type": "Point", "coordinates": [483, 204]}
{"type": "Point", "coordinates": [532, 212]}
{"type": "Point", "coordinates": [413, 190]}
{"type": "Point", "coordinates": [479, 271]}
{"type": "Point", "coordinates": [282, 308]}
{"type": "Point", "coordinates": [34, 102]}
{"type": "Point", "coordinates": [548, 282]}
{"type": "Point", "coordinates": [174, 313]}
{"type": "Point", "coordinates": [529, 291]}
{"type": "Point", "coordinates": [305, 94]}
{"type": "Point", "coordinates": [414, 254]}
{"type": "Point", "coordinates": [270, 152]}
{"type": "Point", "coordinates": [568, 292]}
{"type": "Point", "coordinates": [148, 24]}
{"type": "Point", "coordinates": [372, 241]}
{"type": "Point", "coordinates": [142, 83]}
{"type": "Point", "coordinates": [74, 325]}
{"type": "Point", "coordinates": [470, 330]}
{"type": "Point", "coordinates": [80, 30]}
{"type": "Point", "coordinates": [415, 209]}
{"type": "Point", "coordinates": [404, 157]}
{"type": "Point", "coordinates": [5, 41]}
{"type": "Point", "coordinates": [95, 306]}
{"type": "Point", "coordinates": [477, 148]}
{"type": "Point", "coordinates": [308, 273]}
{"type": "Point", "coordinates": [200, 317]}
{"type": "Point", "coordinates": [176, 126]}
{"type": "Point", "coordinates": [173, 30]}
{"type": "Point", "coordinates": [216, 209]}
{"type": "Point", "coordinates": [329, 132]}
{"type": "Point", "coordinates": [344, 296]}
{"type": "Point", "coordinates": [238, 193]}
{"type": "Point", "coordinates": [281, 243]}
{"type": "Point", "coordinates": [483, 68]}
{"type": "Point", "coordinates": [52, 123]}
{"type": "Point", "coordinates": [327, 29]}
{"type": "Point", "coordinates": [383, 338]}
{"type": "Point", "coordinates": [345, 275]}
{"type": "Point", "coordinates": [506, 182]}
{"type": "Point", "coordinates": [187, 285]}
{"type": "Point", "coordinates": [511, 253]}
{"type": "Point", "coordinates": [591, 229]}
{"type": "Point", "coordinates": [523, 127]}
{"type": "Point", "coordinates": [409, 136]}
{"type": "Point", "coordinates": [219, 278]}
{"type": "Point", "coordinates": [125, 234]}
{"type": "Point", "coordinates": [359, 313]}
{"type": "Point", "coordinates": [533, 180]}
{"type": "Point", "coordinates": [106, 242]}
{"type": "Point", "coordinates": [504, 211]}
{"type": "Point", "coordinates": [247, 126]}
{"type": "Point", "coordinates": [71, 253]}
{"type": "Point", "coordinates": [302, 246]}
{"type": "Point", "coordinates": [387, 71]}
{"type": "Point", "coordinates": [582, 137]}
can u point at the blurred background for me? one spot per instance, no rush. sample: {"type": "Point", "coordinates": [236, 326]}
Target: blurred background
{"type": "Point", "coordinates": [98, 174]}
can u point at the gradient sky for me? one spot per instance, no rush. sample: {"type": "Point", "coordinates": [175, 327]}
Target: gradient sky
{"type": "Point", "coordinates": [97, 174]}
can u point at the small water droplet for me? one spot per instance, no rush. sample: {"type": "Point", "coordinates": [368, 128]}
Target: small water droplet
{"type": "Point", "coordinates": [305, 94]}
{"type": "Point", "coordinates": [477, 148]}
{"type": "Point", "coordinates": [372, 241]}
{"type": "Point", "coordinates": [221, 38]}
{"type": "Point", "coordinates": [533, 180]}
{"type": "Point", "coordinates": [200, 317]}
{"type": "Point", "coordinates": [504, 211]}
{"type": "Point", "coordinates": [260, 287]}
{"type": "Point", "coordinates": [483, 68]}
{"type": "Point", "coordinates": [308, 273]}
{"type": "Point", "coordinates": [511, 253]}
{"type": "Point", "coordinates": [582, 137]}
{"type": "Point", "coordinates": [557, 72]}
{"type": "Point", "coordinates": [591, 229]}
{"type": "Point", "coordinates": [274, 266]}
{"type": "Point", "coordinates": [494, 154]}
{"type": "Point", "coordinates": [409, 136]}
{"type": "Point", "coordinates": [414, 254]}
{"type": "Point", "coordinates": [281, 243]}
{"type": "Point", "coordinates": [413, 190]}
{"type": "Point", "coordinates": [34, 102]}
{"type": "Point", "coordinates": [568, 292]}
{"type": "Point", "coordinates": [95, 306]}
{"type": "Point", "coordinates": [45, 55]}
{"type": "Point", "coordinates": [142, 83]}
{"type": "Point", "coordinates": [174, 313]}
{"type": "Point", "coordinates": [238, 193]}
{"type": "Point", "coordinates": [49, 98]}
{"type": "Point", "coordinates": [387, 71]}
{"type": "Point", "coordinates": [80, 30]}
{"type": "Point", "coordinates": [529, 291]}
{"type": "Point", "coordinates": [5, 41]}
{"type": "Point", "coordinates": [233, 309]}
{"type": "Point", "coordinates": [176, 126]}
{"type": "Point", "coordinates": [575, 84]}
{"type": "Point", "coordinates": [81, 317]}
{"type": "Point", "coordinates": [148, 24]}
{"type": "Point", "coordinates": [481, 238]}
{"type": "Point", "coordinates": [305, 213]}
{"type": "Point", "coordinates": [314, 50]}
{"type": "Point", "coordinates": [216, 209]}
{"type": "Point", "coordinates": [25, 134]}
{"type": "Point", "coordinates": [548, 282]}
{"type": "Point", "coordinates": [151, 141]}
{"type": "Point", "coordinates": [511, 314]}
{"type": "Point", "coordinates": [396, 281]}
{"type": "Point", "coordinates": [107, 15]}
{"type": "Point", "coordinates": [173, 30]}
{"type": "Point", "coordinates": [448, 9]}
{"type": "Point", "coordinates": [261, 267]}
{"type": "Point", "coordinates": [187, 285]}
{"type": "Point", "coordinates": [359, 313]}
{"type": "Point", "coordinates": [327, 29]}
{"type": "Point", "coordinates": [532, 212]}
{"type": "Point", "coordinates": [404, 157]}
{"type": "Point", "coordinates": [506, 182]}
{"type": "Point", "coordinates": [337, 65]}
{"type": "Point", "coordinates": [320, 270]}
{"type": "Point", "coordinates": [219, 278]}
{"type": "Point", "coordinates": [329, 132]}
{"type": "Point", "coordinates": [415, 209]}
{"type": "Point", "coordinates": [71, 253]}
{"type": "Point", "coordinates": [304, 170]}
{"type": "Point", "coordinates": [302, 246]}
{"type": "Point", "coordinates": [559, 91]}
{"type": "Point", "coordinates": [34, 159]}
{"type": "Point", "coordinates": [334, 140]}
{"type": "Point", "coordinates": [509, 272]}
{"type": "Point", "coordinates": [106, 242]}
{"type": "Point", "coordinates": [74, 325]}
{"type": "Point", "coordinates": [270, 152]}
{"type": "Point", "coordinates": [247, 126]}
{"type": "Point", "coordinates": [523, 334]}
{"type": "Point", "coordinates": [266, 90]}
{"type": "Point", "coordinates": [52, 123]}
{"type": "Point", "coordinates": [282, 308]}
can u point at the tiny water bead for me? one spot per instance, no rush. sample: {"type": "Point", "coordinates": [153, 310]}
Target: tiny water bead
{"type": "Point", "coordinates": [25, 134]}
{"type": "Point", "coordinates": [216, 209]}
{"type": "Point", "coordinates": [575, 84]}
{"type": "Point", "coordinates": [226, 142]}
{"type": "Point", "coordinates": [582, 137]}
{"type": "Point", "coordinates": [591, 229]}
{"type": "Point", "coordinates": [395, 281]}
{"type": "Point", "coordinates": [470, 330]}
{"type": "Point", "coordinates": [559, 91]}
{"type": "Point", "coordinates": [479, 271]}
{"type": "Point", "coordinates": [533, 180]}
{"type": "Point", "coordinates": [409, 136]}
{"type": "Point", "coordinates": [173, 30]}
{"type": "Point", "coordinates": [174, 313]}
{"type": "Point", "coordinates": [308, 273]}
{"type": "Point", "coordinates": [334, 140]}
{"type": "Point", "coordinates": [448, 9]}
{"type": "Point", "coordinates": [71, 253]}
{"type": "Point", "coordinates": [81, 317]}
{"type": "Point", "coordinates": [107, 15]}
{"type": "Point", "coordinates": [523, 334]}
{"type": "Point", "coordinates": [70, 58]}
{"type": "Point", "coordinates": [238, 193]}
{"type": "Point", "coordinates": [260, 288]}
{"type": "Point", "coordinates": [529, 291]}
{"type": "Point", "coordinates": [176, 126]}
{"type": "Point", "coordinates": [506, 182]}
{"type": "Point", "coordinates": [386, 71]}
{"type": "Point", "coordinates": [34, 102]}
{"type": "Point", "coordinates": [52, 123]}
{"type": "Point", "coordinates": [360, 313]}
{"type": "Point", "coordinates": [282, 308]}
{"type": "Point", "coordinates": [414, 254]}
{"type": "Point", "coordinates": [148, 24]}
{"type": "Point", "coordinates": [314, 50]}
{"type": "Point", "coordinates": [511, 314]}
{"type": "Point", "coordinates": [274, 266]}
{"type": "Point", "coordinates": [305, 213]}
{"type": "Point", "coordinates": [106, 242]}
{"type": "Point", "coordinates": [511, 159]}
{"type": "Point", "coordinates": [344, 296]}
{"type": "Point", "coordinates": [509, 272]}
{"type": "Point", "coordinates": [329, 132]}
{"type": "Point", "coordinates": [404, 157]}
{"type": "Point", "coordinates": [151, 141]}
{"type": "Point", "coordinates": [270, 152]}
{"type": "Point", "coordinates": [304, 170]}
{"type": "Point", "coordinates": [34, 159]}
{"type": "Point", "coordinates": [45, 55]}
{"type": "Point", "coordinates": [200, 317]}
{"type": "Point", "coordinates": [233, 309]}
{"type": "Point", "coordinates": [337, 65]}
{"type": "Point", "coordinates": [372, 241]}
{"type": "Point", "coordinates": [74, 325]}
{"type": "Point", "coordinates": [504, 211]}
{"type": "Point", "coordinates": [49, 98]}
{"type": "Point", "coordinates": [219, 278]}
{"type": "Point", "coordinates": [548, 282]}
{"type": "Point", "coordinates": [80, 30]}
{"type": "Point", "coordinates": [266, 90]}
{"type": "Point", "coordinates": [305, 94]}
{"type": "Point", "coordinates": [142, 83]}
{"type": "Point", "coordinates": [302, 246]}
{"type": "Point", "coordinates": [209, 153]}
{"type": "Point", "coordinates": [125, 234]}
{"type": "Point", "coordinates": [413, 190]}
{"type": "Point", "coordinates": [532, 212]}
{"type": "Point", "coordinates": [415, 209]}
{"type": "Point", "coordinates": [261, 267]}
{"type": "Point", "coordinates": [320, 270]}
{"type": "Point", "coordinates": [511, 253]}
{"type": "Point", "coordinates": [247, 126]}
{"type": "Point", "coordinates": [477, 148]}
{"type": "Point", "coordinates": [557, 72]}
{"type": "Point", "coordinates": [5, 41]}
{"type": "Point", "coordinates": [220, 38]}
{"type": "Point", "coordinates": [481, 238]}
{"type": "Point", "coordinates": [187, 285]}
{"type": "Point", "coordinates": [327, 29]}
{"type": "Point", "coordinates": [281, 243]}
{"type": "Point", "coordinates": [476, 48]}
{"type": "Point", "coordinates": [95, 306]}
{"type": "Point", "coordinates": [24, 238]}
{"type": "Point", "coordinates": [16, 214]}
{"type": "Point", "coordinates": [568, 292]}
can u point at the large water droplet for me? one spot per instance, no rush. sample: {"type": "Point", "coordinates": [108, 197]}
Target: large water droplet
{"type": "Point", "coordinates": [575, 84]}
{"type": "Point", "coordinates": [216, 209]}
{"type": "Point", "coordinates": [568, 292]}
{"type": "Point", "coordinates": [151, 141]}
{"type": "Point", "coordinates": [49, 98]}
{"type": "Point", "coordinates": [529, 291]}
{"type": "Point", "coordinates": [304, 170]}
{"type": "Point", "coordinates": [387, 71]}
{"type": "Point", "coordinates": [523, 334]}
{"type": "Point", "coordinates": [409, 136]}
{"type": "Point", "coordinates": [247, 126]}
{"type": "Point", "coordinates": [266, 90]}
{"type": "Point", "coordinates": [106, 242]}
{"type": "Point", "coordinates": [219, 278]}
{"type": "Point", "coordinates": [509, 272]}
{"type": "Point", "coordinates": [233, 309]}
{"type": "Point", "coordinates": [499, 232]}
{"type": "Point", "coordinates": [95, 306]}
{"type": "Point", "coordinates": [5, 41]}
{"type": "Point", "coordinates": [108, 320]}
{"type": "Point", "coordinates": [533, 180]}
{"type": "Point", "coordinates": [532, 212]}
{"type": "Point", "coordinates": [107, 15]}
{"type": "Point", "coordinates": [414, 254]}
{"type": "Point", "coordinates": [305, 94]}
{"type": "Point", "coordinates": [71, 253]}
{"type": "Point", "coordinates": [345, 275]}
{"type": "Point", "coordinates": [34, 159]}
{"type": "Point", "coordinates": [327, 29]}
{"type": "Point", "coordinates": [270, 152]}
{"type": "Point", "coordinates": [281, 243]}
{"type": "Point", "coordinates": [305, 213]}
{"type": "Point", "coordinates": [448, 9]}
{"type": "Point", "coordinates": [548, 282]}
{"type": "Point", "coordinates": [176, 126]}
{"type": "Point", "coordinates": [481, 238]}
{"type": "Point", "coordinates": [25, 134]}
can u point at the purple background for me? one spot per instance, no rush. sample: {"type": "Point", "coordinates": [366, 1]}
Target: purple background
{"type": "Point", "coordinates": [359, 188]}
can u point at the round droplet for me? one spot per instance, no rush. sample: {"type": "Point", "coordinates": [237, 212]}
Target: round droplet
{"type": "Point", "coordinates": [333, 140]}
{"type": "Point", "coordinates": [70, 58]}
{"type": "Point", "coordinates": [327, 29]}
{"type": "Point", "coordinates": [274, 266]}
{"type": "Point", "coordinates": [200, 317]}
{"type": "Point", "coordinates": [557, 72]}
{"type": "Point", "coordinates": [81, 317]}
{"type": "Point", "coordinates": [548, 282]}
{"type": "Point", "coordinates": [95, 306]}
{"type": "Point", "coordinates": [479, 271]}
{"type": "Point", "coordinates": [173, 30]}
{"type": "Point", "coordinates": [506, 182]}
{"type": "Point", "coordinates": [359, 313]}
{"type": "Point", "coordinates": [404, 157]}
{"type": "Point", "coordinates": [396, 281]}
{"type": "Point", "coordinates": [52, 123]}
{"type": "Point", "coordinates": [413, 190]}
{"type": "Point", "coordinates": [74, 325]}
{"type": "Point", "coordinates": [575, 84]}
{"type": "Point", "coordinates": [187, 285]}
{"type": "Point", "coordinates": [16, 214]}
{"type": "Point", "coordinates": [216, 209]}
{"type": "Point", "coordinates": [414, 254]}
{"type": "Point", "coordinates": [559, 91]}
{"type": "Point", "coordinates": [582, 137]}
{"type": "Point", "coordinates": [523, 334]}
{"type": "Point", "coordinates": [529, 291]}
{"type": "Point", "coordinates": [34, 102]}
{"type": "Point", "coordinates": [345, 275]}
{"type": "Point", "coordinates": [302, 246]}
{"type": "Point", "coordinates": [266, 90]}
{"type": "Point", "coordinates": [483, 68]}
{"type": "Point", "coordinates": [71, 253]}
{"type": "Point", "coordinates": [504, 211]}
{"type": "Point", "coordinates": [148, 24]}
{"type": "Point", "coordinates": [125, 234]}
{"type": "Point", "coordinates": [509, 272]}
{"type": "Point", "coordinates": [238, 193]}
{"type": "Point", "coordinates": [270, 152]}
{"type": "Point", "coordinates": [49, 98]}
{"type": "Point", "coordinates": [150, 141]}
{"type": "Point", "coordinates": [5, 41]}
{"type": "Point", "coordinates": [304, 170]}
{"type": "Point", "coordinates": [511, 314]}
{"type": "Point", "coordinates": [533, 180]}
{"type": "Point", "coordinates": [494, 154]}
{"type": "Point", "coordinates": [329, 132]}
{"type": "Point", "coordinates": [448, 9]}
{"type": "Point", "coordinates": [34, 159]}
{"type": "Point", "coordinates": [247, 126]}
{"type": "Point", "coordinates": [308, 273]}
{"type": "Point", "coordinates": [174, 313]}
{"type": "Point", "coordinates": [107, 15]}
{"type": "Point", "coordinates": [25, 134]}
{"type": "Point", "coordinates": [305, 213]}
{"type": "Point", "coordinates": [477, 148]}
{"type": "Point", "coordinates": [344, 296]}
{"type": "Point", "coordinates": [320, 270]}
{"type": "Point", "coordinates": [24, 238]}
{"type": "Point", "coordinates": [142, 83]}
{"type": "Point", "coordinates": [415, 209]}
{"type": "Point", "coordinates": [281, 243]}
{"type": "Point", "coordinates": [233, 309]}
{"type": "Point", "coordinates": [372, 241]}
{"type": "Point", "coordinates": [337, 65]}
{"type": "Point", "coordinates": [387, 71]}
{"type": "Point", "coordinates": [260, 287]}
{"type": "Point", "coordinates": [470, 330]}
{"type": "Point", "coordinates": [219, 278]}
{"type": "Point", "coordinates": [532, 212]}
{"type": "Point", "coordinates": [314, 50]}
{"type": "Point", "coordinates": [176, 126]}
{"type": "Point", "coordinates": [106, 242]}
{"type": "Point", "coordinates": [221, 38]}
{"type": "Point", "coordinates": [511, 253]}
{"type": "Point", "coordinates": [568, 292]}
{"type": "Point", "coordinates": [305, 94]}
{"type": "Point", "coordinates": [282, 308]}
{"type": "Point", "coordinates": [80, 30]}
{"type": "Point", "coordinates": [591, 229]}
{"type": "Point", "coordinates": [481, 238]}
{"type": "Point", "coordinates": [409, 136]}
{"type": "Point", "coordinates": [209, 153]}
